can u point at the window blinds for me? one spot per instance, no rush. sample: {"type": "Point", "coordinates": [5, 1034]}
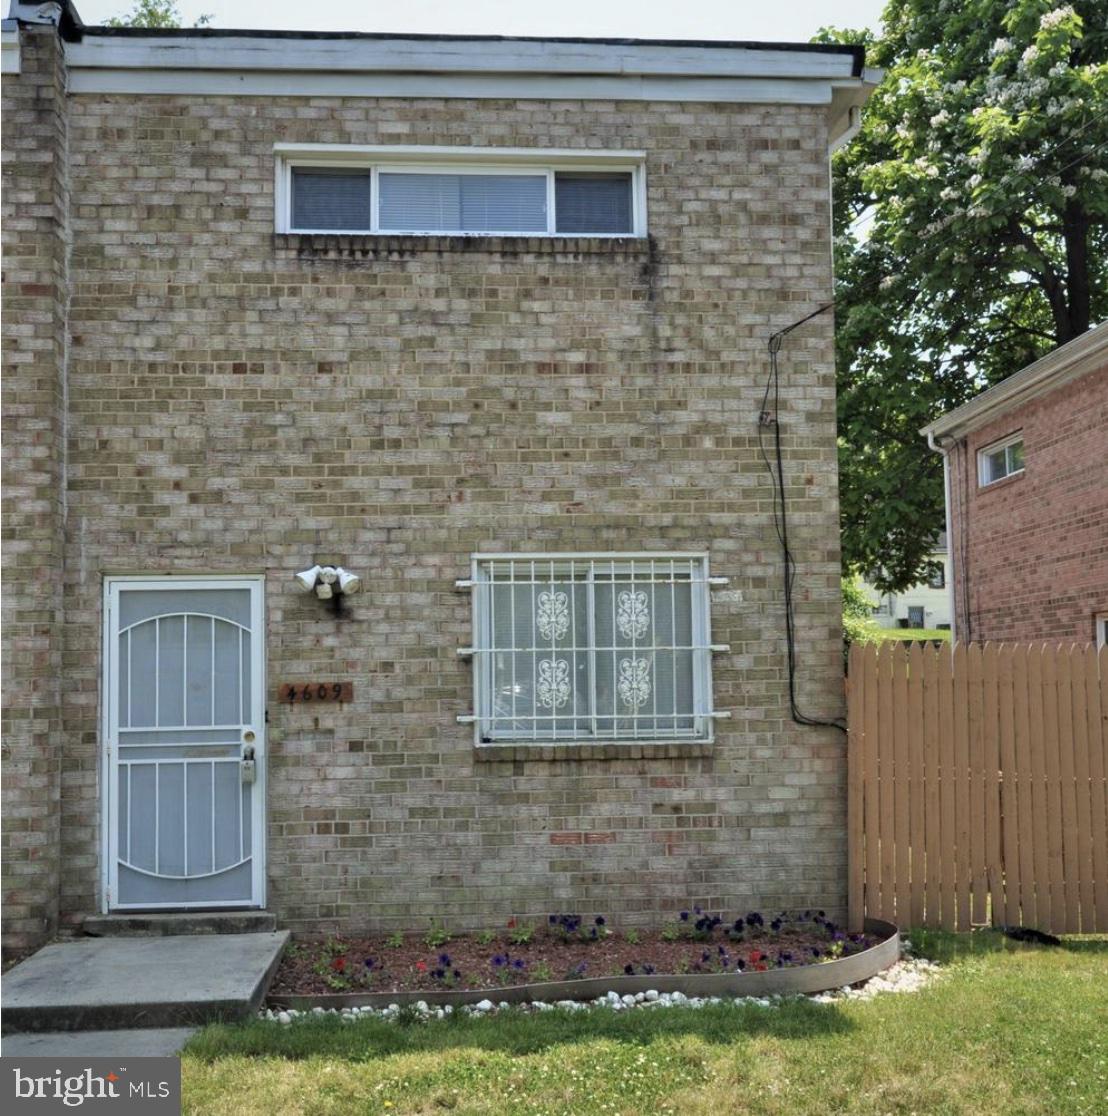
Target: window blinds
{"type": "Point", "coordinates": [593, 203]}
{"type": "Point", "coordinates": [331, 198]}
{"type": "Point", "coordinates": [473, 203]}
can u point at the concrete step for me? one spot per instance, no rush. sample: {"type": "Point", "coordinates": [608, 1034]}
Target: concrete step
{"type": "Point", "coordinates": [187, 922]}
{"type": "Point", "coordinates": [98, 984]}
{"type": "Point", "coordinates": [148, 1042]}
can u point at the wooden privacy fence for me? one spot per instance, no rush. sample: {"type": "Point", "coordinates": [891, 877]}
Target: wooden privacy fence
{"type": "Point", "coordinates": [977, 786]}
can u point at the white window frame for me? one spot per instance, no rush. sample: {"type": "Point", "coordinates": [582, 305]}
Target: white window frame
{"type": "Point", "coordinates": [703, 712]}
{"type": "Point", "coordinates": [983, 455]}
{"type": "Point", "coordinates": [454, 160]}
{"type": "Point", "coordinates": [1102, 629]}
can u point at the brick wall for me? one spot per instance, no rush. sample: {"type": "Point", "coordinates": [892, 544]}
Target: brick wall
{"type": "Point", "coordinates": [1035, 545]}
{"type": "Point", "coordinates": [245, 402]}
{"type": "Point", "coordinates": [34, 292]}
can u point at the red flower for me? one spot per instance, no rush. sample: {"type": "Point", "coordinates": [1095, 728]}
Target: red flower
{"type": "Point", "coordinates": [339, 964]}
{"type": "Point", "coordinates": [421, 966]}
{"type": "Point", "coordinates": [756, 955]}
{"type": "Point", "coordinates": [511, 924]}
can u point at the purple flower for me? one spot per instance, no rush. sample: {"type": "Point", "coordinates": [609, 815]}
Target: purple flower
{"type": "Point", "coordinates": [599, 920]}
{"type": "Point", "coordinates": [444, 960]}
{"type": "Point", "coordinates": [684, 916]}
{"type": "Point", "coordinates": [498, 961]}
{"type": "Point", "coordinates": [518, 964]}
{"type": "Point", "coordinates": [629, 969]}
{"type": "Point", "coordinates": [369, 962]}
{"type": "Point", "coordinates": [648, 969]}
{"type": "Point", "coordinates": [740, 964]}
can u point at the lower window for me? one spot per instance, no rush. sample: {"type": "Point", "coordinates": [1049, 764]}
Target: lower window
{"type": "Point", "coordinates": [576, 648]}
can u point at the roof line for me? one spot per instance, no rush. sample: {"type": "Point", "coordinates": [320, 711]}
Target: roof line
{"type": "Point", "coordinates": [1074, 358]}
{"type": "Point", "coordinates": [77, 32]}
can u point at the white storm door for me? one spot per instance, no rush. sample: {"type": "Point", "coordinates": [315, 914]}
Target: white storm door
{"type": "Point", "coordinates": [184, 716]}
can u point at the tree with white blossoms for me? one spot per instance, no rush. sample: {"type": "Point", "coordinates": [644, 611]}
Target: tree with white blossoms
{"type": "Point", "coordinates": [971, 238]}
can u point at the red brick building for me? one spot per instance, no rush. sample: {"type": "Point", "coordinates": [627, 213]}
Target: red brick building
{"type": "Point", "coordinates": [1026, 466]}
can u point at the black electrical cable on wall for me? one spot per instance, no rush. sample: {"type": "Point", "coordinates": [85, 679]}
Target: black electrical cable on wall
{"type": "Point", "coordinates": [780, 512]}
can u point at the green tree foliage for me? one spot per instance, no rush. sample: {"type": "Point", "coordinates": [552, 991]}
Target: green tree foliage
{"type": "Point", "coordinates": [971, 237]}
{"type": "Point", "coordinates": [858, 623]}
{"type": "Point", "coordinates": [153, 13]}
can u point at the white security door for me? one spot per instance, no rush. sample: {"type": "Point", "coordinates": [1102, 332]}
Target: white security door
{"type": "Point", "coordinates": [185, 742]}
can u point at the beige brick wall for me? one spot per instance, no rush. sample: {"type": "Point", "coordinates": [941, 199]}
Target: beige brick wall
{"type": "Point", "coordinates": [33, 221]}
{"type": "Point", "coordinates": [245, 402]}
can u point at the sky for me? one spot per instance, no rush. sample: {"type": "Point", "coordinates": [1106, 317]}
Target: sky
{"type": "Point", "coordinates": [767, 20]}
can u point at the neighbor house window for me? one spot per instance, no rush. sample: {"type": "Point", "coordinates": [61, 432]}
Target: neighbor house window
{"type": "Point", "coordinates": [1102, 630]}
{"type": "Point", "coordinates": [938, 579]}
{"type": "Point", "coordinates": [1000, 460]}
{"type": "Point", "coordinates": [427, 191]}
{"type": "Point", "coordinates": [577, 648]}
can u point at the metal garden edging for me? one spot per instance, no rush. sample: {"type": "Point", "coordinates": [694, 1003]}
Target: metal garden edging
{"type": "Point", "coordinates": [801, 980]}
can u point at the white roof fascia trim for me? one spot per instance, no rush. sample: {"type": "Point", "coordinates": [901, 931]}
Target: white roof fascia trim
{"type": "Point", "coordinates": [476, 86]}
{"type": "Point", "coordinates": [9, 51]}
{"type": "Point", "coordinates": [1068, 362]}
{"type": "Point", "coordinates": [394, 55]}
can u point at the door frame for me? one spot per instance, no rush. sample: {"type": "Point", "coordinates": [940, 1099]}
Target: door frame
{"type": "Point", "coordinates": [109, 821]}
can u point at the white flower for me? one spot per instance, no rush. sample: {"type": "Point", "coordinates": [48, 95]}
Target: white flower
{"type": "Point", "coordinates": [1024, 163]}
{"type": "Point", "coordinates": [1058, 69]}
{"type": "Point", "coordinates": [940, 118]}
{"type": "Point", "coordinates": [1069, 191]}
{"type": "Point", "coordinates": [948, 193]}
{"type": "Point", "coordinates": [1099, 173]}
{"type": "Point", "coordinates": [974, 182]}
{"type": "Point", "coordinates": [1001, 46]}
{"type": "Point", "coordinates": [1052, 19]}
{"type": "Point", "coordinates": [1029, 55]}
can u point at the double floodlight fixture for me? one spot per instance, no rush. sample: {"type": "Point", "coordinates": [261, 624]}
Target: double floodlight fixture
{"type": "Point", "coordinates": [328, 582]}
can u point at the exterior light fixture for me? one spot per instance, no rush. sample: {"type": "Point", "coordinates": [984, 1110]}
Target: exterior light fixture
{"type": "Point", "coordinates": [330, 583]}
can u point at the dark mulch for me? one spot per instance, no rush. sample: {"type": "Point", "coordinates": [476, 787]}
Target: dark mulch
{"type": "Point", "coordinates": [378, 964]}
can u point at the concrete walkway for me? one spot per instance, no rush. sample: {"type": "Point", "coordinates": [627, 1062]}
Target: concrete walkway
{"type": "Point", "coordinates": [101, 984]}
{"type": "Point", "coordinates": [147, 1042]}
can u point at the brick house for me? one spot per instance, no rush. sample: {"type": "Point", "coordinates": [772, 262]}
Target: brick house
{"type": "Point", "coordinates": [1026, 466]}
{"type": "Point", "coordinates": [484, 323]}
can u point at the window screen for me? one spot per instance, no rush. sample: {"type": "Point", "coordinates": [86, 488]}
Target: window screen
{"type": "Point", "coordinates": [472, 203]}
{"type": "Point", "coordinates": [593, 203]}
{"type": "Point", "coordinates": [331, 198]}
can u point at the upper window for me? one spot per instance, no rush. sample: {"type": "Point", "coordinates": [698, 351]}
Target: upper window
{"type": "Point", "coordinates": [1000, 460]}
{"type": "Point", "coordinates": [938, 579]}
{"type": "Point", "coordinates": [577, 648]}
{"type": "Point", "coordinates": [482, 192]}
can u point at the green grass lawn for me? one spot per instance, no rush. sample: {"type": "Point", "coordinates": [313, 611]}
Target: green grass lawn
{"type": "Point", "coordinates": [913, 633]}
{"type": "Point", "coordinates": [1006, 1030]}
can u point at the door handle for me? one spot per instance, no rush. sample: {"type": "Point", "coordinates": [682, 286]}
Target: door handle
{"type": "Point", "coordinates": [248, 764]}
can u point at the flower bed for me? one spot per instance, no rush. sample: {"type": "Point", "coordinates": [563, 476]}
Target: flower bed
{"type": "Point", "coordinates": [571, 957]}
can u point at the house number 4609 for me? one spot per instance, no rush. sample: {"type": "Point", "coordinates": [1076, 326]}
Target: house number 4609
{"type": "Point", "coordinates": [300, 693]}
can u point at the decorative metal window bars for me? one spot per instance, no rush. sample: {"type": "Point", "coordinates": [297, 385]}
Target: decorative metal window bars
{"type": "Point", "coordinates": [581, 647]}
